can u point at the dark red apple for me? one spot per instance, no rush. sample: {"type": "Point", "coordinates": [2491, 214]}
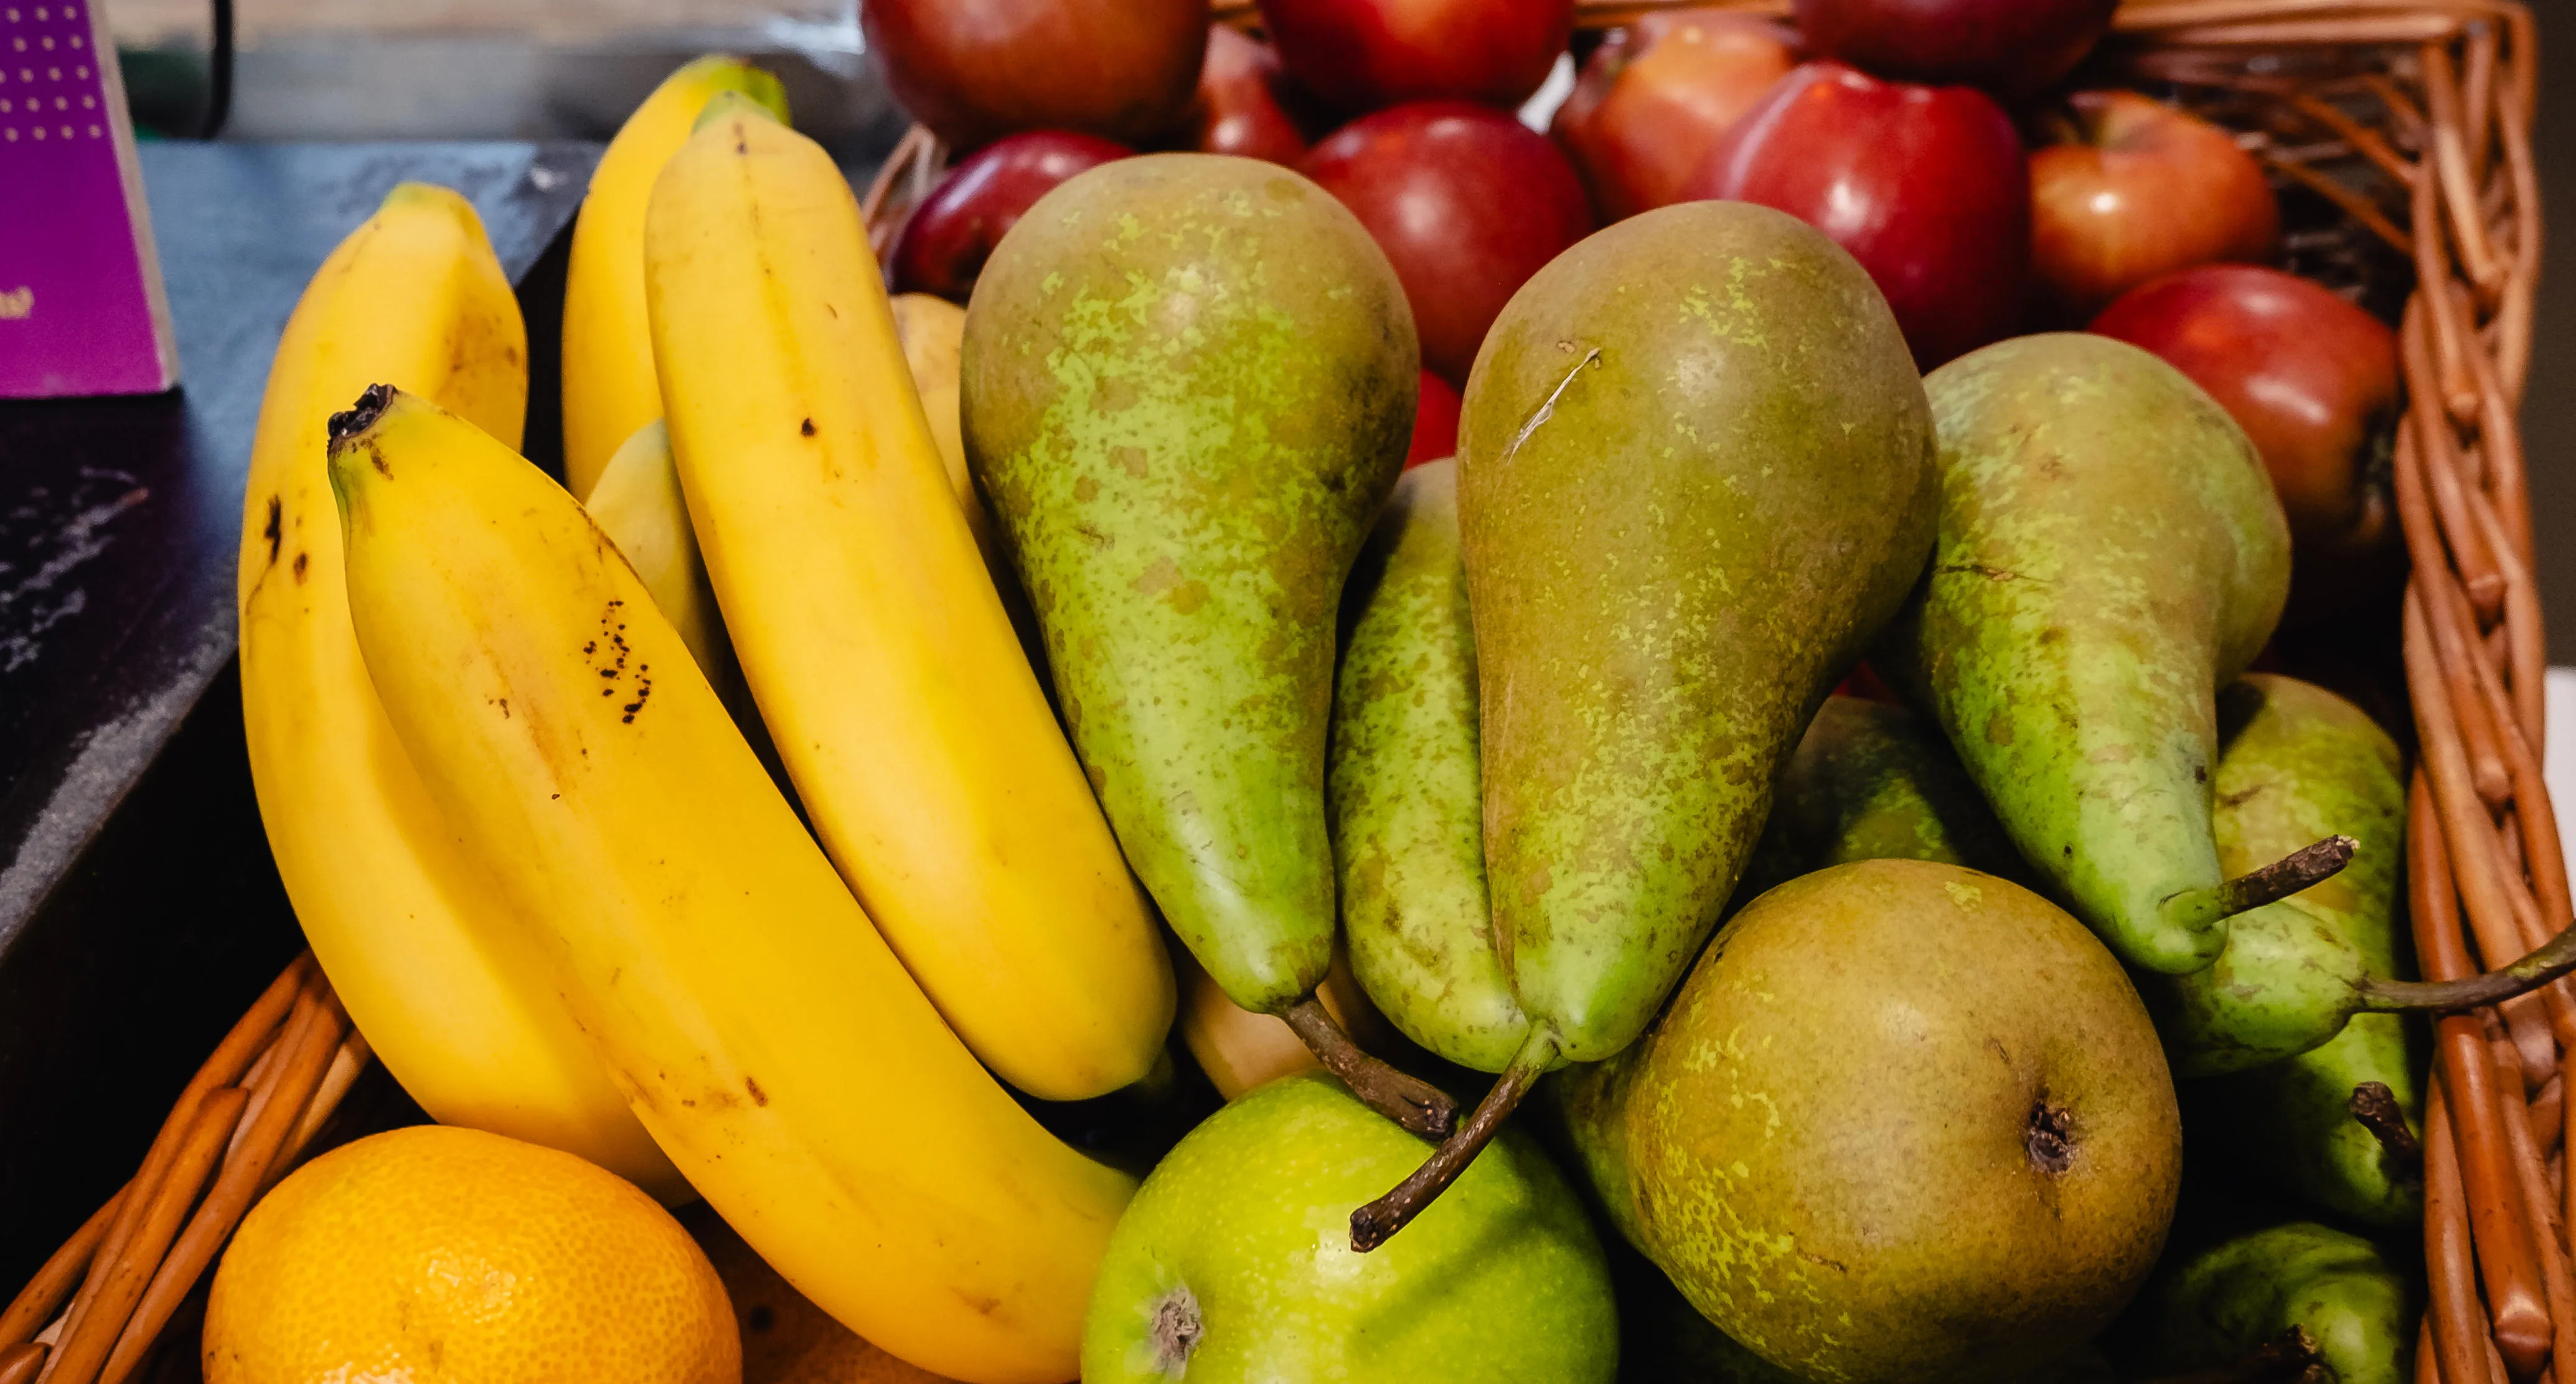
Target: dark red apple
{"type": "Point", "coordinates": [1239, 110]}
{"type": "Point", "coordinates": [2314, 382]}
{"type": "Point", "coordinates": [944, 244]}
{"type": "Point", "coordinates": [1435, 422]}
{"type": "Point", "coordinates": [976, 70]}
{"type": "Point", "coordinates": [2014, 48]}
{"type": "Point", "coordinates": [1360, 55]}
{"type": "Point", "coordinates": [2139, 189]}
{"type": "Point", "coordinates": [1656, 95]}
{"type": "Point", "coordinates": [1467, 203]}
{"type": "Point", "coordinates": [1925, 186]}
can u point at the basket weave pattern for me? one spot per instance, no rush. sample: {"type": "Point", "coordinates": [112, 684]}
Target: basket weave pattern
{"type": "Point", "coordinates": [2411, 119]}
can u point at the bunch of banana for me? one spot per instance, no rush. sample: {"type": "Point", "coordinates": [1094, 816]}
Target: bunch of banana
{"type": "Point", "coordinates": [426, 953]}
{"type": "Point", "coordinates": [868, 628]}
{"type": "Point", "coordinates": [759, 1026]}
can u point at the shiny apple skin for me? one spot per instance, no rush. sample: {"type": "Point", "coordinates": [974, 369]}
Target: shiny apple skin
{"type": "Point", "coordinates": [2013, 48]}
{"type": "Point", "coordinates": [1364, 55]}
{"type": "Point", "coordinates": [944, 244]}
{"type": "Point", "coordinates": [2314, 382]}
{"type": "Point", "coordinates": [1925, 186]}
{"type": "Point", "coordinates": [2143, 189]}
{"type": "Point", "coordinates": [1467, 203]}
{"type": "Point", "coordinates": [1435, 422]}
{"type": "Point", "coordinates": [1656, 96]}
{"type": "Point", "coordinates": [1239, 109]}
{"type": "Point", "coordinates": [976, 70]}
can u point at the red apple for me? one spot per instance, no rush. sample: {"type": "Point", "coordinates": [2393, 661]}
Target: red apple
{"type": "Point", "coordinates": [1435, 422]}
{"type": "Point", "coordinates": [975, 70]}
{"type": "Point", "coordinates": [1239, 110]}
{"type": "Point", "coordinates": [1656, 95]}
{"type": "Point", "coordinates": [1467, 203]}
{"type": "Point", "coordinates": [1925, 186]}
{"type": "Point", "coordinates": [2013, 48]}
{"type": "Point", "coordinates": [2139, 189]}
{"type": "Point", "coordinates": [944, 244]}
{"type": "Point", "coordinates": [1360, 55]}
{"type": "Point", "coordinates": [2314, 382]}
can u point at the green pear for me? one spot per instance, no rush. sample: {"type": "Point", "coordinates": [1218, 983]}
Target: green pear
{"type": "Point", "coordinates": [1405, 787]}
{"type": "Point", "coordinates": [1186, 387]}
{"type": "Point", "coordinates": [1904, 1122]}
{"type": "Point", "coordinates": [2355, 1308]}
{"type": "Point", "coordinates": [2296, 763]}
{"type": "Point", "coordinates": [1694, 479]}
{"type": "Point", "coordinates": [1869, 781]}
{"type": "Point", "coordinates": [2294, 1124]}
{"type": "Point", "coordinates": [2111, 552]}
{"type": "Point", "coordinates": [1234, 1266]}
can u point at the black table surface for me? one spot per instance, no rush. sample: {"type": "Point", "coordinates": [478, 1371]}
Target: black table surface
{"type": "Point", "coordinates": [138, 908]}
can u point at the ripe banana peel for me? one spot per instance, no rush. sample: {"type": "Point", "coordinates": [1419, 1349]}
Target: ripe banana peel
{"type": "Point", "coordinates": [408, 926]}
{"type": "Point", "coordinates": [868, 628]}
{"type": "Point", "coordinates": [608, 385]}
{"type": "Point", "coordinates": [759, 1026]}
{"type": "Point", "coordinates": [637, 503]}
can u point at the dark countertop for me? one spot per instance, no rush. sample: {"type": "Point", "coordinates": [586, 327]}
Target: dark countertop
{"type": "Point", "coordinates": [138, 904]}
{"type": "Point", "coordinates": [119, 517]}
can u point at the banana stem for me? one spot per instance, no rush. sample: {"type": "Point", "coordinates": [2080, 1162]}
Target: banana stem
{"type": "Point", "coordinates": [1419, 1106]}
{"type": "Point", "coordinates": [1374, 1224]}
{"type": "Point", "coordinates": [2555, 958]}
{"type": "Point", "coordinates": [2288, 875]}
{"type": "Point", "coordinates": [2374, 1106]}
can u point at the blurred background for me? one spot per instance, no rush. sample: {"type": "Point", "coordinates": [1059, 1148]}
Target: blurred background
{"type": "Point", "coordinates": [537, 69]}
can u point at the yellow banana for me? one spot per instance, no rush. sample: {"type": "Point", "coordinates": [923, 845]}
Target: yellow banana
{"type": "Point", "coordinates": [608, 385]}
{"type": "Point", "coordinates": [868, 628]}
{"type": "Point", "coordinates": [637, 503]}
{"type": "Point", "coordinates": [408, 927]}
{"type": "Point", "coordinates": [1240, 1050]}
{"type": "Point", "coordinates": [761, 1029]}
{"type": "Point", "coordinates": [933, 331]}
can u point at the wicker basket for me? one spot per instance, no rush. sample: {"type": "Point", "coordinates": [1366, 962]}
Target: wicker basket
{"type": "Point", "coordinates": [2409, 121]}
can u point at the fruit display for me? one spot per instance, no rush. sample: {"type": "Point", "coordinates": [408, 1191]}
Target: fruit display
{"type": "Point", "coordinates": [1339, 730]}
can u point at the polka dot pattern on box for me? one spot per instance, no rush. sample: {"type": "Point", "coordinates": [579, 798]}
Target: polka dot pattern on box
{"type": "Point", "coordinates": [50, 91]}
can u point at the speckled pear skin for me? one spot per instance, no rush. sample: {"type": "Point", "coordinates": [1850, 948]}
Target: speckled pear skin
{"type": "Point", "coordinates": [1908, 1218]}
{"type": "Point", "coordinates": [2111, 552]}
{"type": "Point", "coordinates": [2297, 763]}
{"type": "Point", "coordinates": [1503, 1279]}
{"type": "Point", "coordinates": [2358, 1306]}
{"type": "Point", "coordinates": [1870, 781]}
{"type": "Point", "coordinates": [1187, 386]}
{"type": "Point", "coordinates": [1694, 480]}
{"type": "Point", "coordinates": [1405, 789]}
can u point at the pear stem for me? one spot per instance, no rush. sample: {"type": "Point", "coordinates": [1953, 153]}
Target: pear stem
{"type": "Point", "coordinates": [2292, 1355]}
{"type": "Point", "coordinates": [2313, 864]}
{"type": "Point", "coordinates": [2553, 959]}
{"type": "Point", "coordinates": [1419, 1106]}
{"type": "Point", "coordinates": [2374, 1106]}
{"type": "Point", "coordinates": [1374, 1224]}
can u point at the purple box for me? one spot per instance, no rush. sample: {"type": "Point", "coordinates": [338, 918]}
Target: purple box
{"type": "Point", "coordinates": [81, 308]}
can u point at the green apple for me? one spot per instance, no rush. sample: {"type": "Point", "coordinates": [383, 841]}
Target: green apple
{"type": "Point", "coordinates": [1234, 1263]}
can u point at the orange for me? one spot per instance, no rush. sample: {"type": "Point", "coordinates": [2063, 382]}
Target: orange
{"type": "Point", "coordinates": [433, 1255]}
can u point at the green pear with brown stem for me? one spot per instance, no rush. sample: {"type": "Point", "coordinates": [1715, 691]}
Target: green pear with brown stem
{"type": "Point", "coordinates": [1186, 386]}
{"type": "Point", "coordinates": [2111, 553]}
{"type": "Point", "coordinates": [1694, 480]}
